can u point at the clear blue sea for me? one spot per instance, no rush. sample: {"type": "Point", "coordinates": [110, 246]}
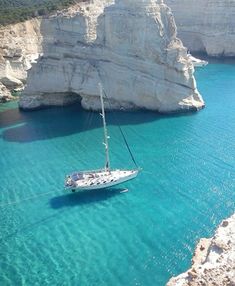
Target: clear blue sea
{"type": "Point", "coordinates": [141, 237]}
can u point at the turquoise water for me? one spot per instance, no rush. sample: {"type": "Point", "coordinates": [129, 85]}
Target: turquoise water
{"type": "Point", "coordinates": [141, 237]}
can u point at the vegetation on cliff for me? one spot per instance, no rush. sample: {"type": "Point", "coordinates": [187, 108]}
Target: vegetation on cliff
{"type": "Point", "coordinates": [13, 11]}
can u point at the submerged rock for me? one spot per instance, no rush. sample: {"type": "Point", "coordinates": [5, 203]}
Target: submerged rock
{"type": "Point", "coordinates": [129, 46]}
{"type": "Point", "coordinates": [214, 260]}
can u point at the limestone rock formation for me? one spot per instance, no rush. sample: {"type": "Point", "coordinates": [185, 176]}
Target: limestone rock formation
{"type": "Point", "coordinates": [129, 46]}
{"type": "Point", "coordinates": [5, 94]}
{"type": "Point", "coordinates": [206, 26]}
{"type": "Point", "coordinates": [20, 45]}
{"type": "Point", "coordinates": [213, 263]}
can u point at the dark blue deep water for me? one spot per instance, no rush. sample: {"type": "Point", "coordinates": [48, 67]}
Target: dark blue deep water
{"type": "Point", "coordinates": [141, 237]}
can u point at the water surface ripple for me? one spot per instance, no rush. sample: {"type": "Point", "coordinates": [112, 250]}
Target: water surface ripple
{"type": "Point", "coordinates": [141, 237]}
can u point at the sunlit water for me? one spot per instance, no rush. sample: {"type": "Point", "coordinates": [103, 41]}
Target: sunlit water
{"type": "Point", "coordinates": [141, 237]}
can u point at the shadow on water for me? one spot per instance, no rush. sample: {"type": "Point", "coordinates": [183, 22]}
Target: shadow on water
{"type": "Point", "coordinates": [82, 198]}
{"type": "Point", "coordinates": [11, 117]}
{"type": "Point", "coordinates": [50, 123]}
{"type": "Point", "coordinates": [68, 200]}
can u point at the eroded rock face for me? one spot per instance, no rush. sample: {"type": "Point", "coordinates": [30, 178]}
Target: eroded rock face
{"type": "Point", "coordinates": [128, 46]}
{"type": "Point", "coordinates": [205, 25]}
{"type": "Point", "coordinates": [214, 260]}
{"type": "Point", "coordinates": [5, 94]}
{"type": "Point", "coordinates": [20, 45]}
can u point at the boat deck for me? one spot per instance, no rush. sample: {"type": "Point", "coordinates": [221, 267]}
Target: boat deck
{"type": "Point", "coordinates": [98, 179]}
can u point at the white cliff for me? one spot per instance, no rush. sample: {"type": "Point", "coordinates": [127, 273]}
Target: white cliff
{"type": "Point", "coordinates": [5, 94]}
{"type": "Point", "coordinates": [213, 263]}
{"type": "Point", "coordinates": [20, 45]}
{"type": "Point", "coordinates": [206, 26]}
{"type": "Point", "coordinates": [129, 46]}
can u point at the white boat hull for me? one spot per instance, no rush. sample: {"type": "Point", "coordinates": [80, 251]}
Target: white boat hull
{"type": "Point", "coordinates": [100, 179]}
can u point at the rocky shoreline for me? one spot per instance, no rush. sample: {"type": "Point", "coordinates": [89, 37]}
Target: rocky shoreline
{"type": "Point", "coordinates": [20, 47]}
{"type": "Point", "coordinates": [5, 94]}
{"type": "Point", "coordinates": [213, 263]}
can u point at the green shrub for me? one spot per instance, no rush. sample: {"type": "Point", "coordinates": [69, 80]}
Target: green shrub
{"type": "Point", "coordinates": [13, 11]}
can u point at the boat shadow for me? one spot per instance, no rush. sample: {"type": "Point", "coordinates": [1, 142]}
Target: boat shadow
{"type": "Point", "coordinates": [83, 197]}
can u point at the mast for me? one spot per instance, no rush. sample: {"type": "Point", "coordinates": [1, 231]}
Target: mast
{"type": "Point", "coordinates": [106, 137]}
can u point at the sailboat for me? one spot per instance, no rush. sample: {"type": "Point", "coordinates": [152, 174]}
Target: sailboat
{"type": "Point", "coordinates": [101, 178]}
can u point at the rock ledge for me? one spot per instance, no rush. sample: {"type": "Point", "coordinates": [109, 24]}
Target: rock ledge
{"type": "Point", "coordinates": [213, 263]}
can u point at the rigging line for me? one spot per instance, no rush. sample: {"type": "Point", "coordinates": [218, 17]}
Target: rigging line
{"type": "Point", "coordinates": [122, 133]}
{"type": "Point", "coordinates": [128, 147]}
{"type": "Point", "coordinates": [26, 199]}
{"type": "Point", "coordinates": [88, 124]}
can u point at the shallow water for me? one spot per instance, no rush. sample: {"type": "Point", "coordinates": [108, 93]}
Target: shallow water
{"type": "Point", "coordinates": [140, 237]}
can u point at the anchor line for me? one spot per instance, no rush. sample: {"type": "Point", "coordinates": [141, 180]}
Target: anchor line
{"type": "Point", "coordinates": [26, 199]}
